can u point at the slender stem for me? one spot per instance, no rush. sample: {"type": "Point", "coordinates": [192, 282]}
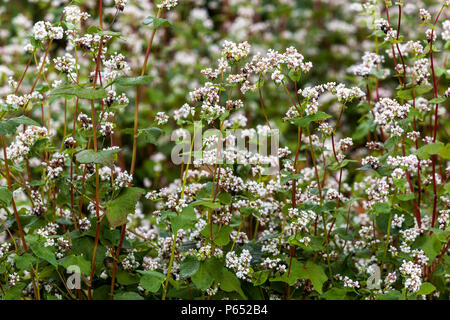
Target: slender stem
{"type": "Point", "coordinates": [8, 178]}
{"type": "Point", "coordinates": [113, 277]}
{"type": "Point", "coordinates": [433, 159]}
{"type": "Point", "coordinates": [138, 95]}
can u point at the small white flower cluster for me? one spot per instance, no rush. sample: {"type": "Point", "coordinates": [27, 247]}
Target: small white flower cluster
{"type": "Point", "coordinates": [130, 262]}
{"type": "Point", "coordinates": [21, 101]}
{"type": "Point", "coordinates": [107, 128]}
{"type": "Point", "coordinates": [183, 112]}
{"type": "Point", "coordinates": [46, 232]}
{"type": "Point", "coordinates": [391, 35]}
{"type": "Point", "coordinates": [411, 234]}
{"type": "Point", "coordinates": [430, 35]}
{"type": "Point", "coordinates": [150, 263]}
{"type": "Point", "coordinates": [303, 217]}
{"type": "Point", "coordinates": [344, 94]}
{"type": "Point", "coordinates": [84, 224]}
{"type": "Point", "coordinates": [235, 51]}
{"type": "Point", "coordinates": [13, 279]}
{"type": "Point", "coordinates": [407, 162]}
{"type": "Point", "coordinates": [397, 221]}
{"type": "Point", "coordinates": [62, 247]}
{"type": "Point", "coordinates": [44, 29]}
{"type": "Point", "coordinates": [168, 4]}
{"type": "Point", "coordinates": [348, 282]}
{"type": "Point", "coordinates": [112, 97]}
{"type": "Point", "coordinates": [388, 112]}
{"type": "Point", "coordinates": [115, 67]}
{"type": "Point", "coordinates": [161, 118]}
{"type": "Point", "coordinates": [206, 252]}
{"type": "Point", "coordinates": [241, 264]}
{"type": "Point", "coordinates": [70, 142]}
{"type": "Point", "coordinates": [120, 4]}
{"type": "Point", "coordinates": [312, 95]}
{"type": "Point", "coordinates": [85, 121]}
{"type": "Point", "coordinates": [420, 70]}
{"type": "Point", "coordinates": [295, 60]}
{"type": "Point", "coordinates": [270, 263]}
{"type": "Point", "coordinates": [345, 143]}
{"type": "Point", "coordinates": [90, 42]}
{"type": "Point", "coordinates": [24, 141]}
{"type": "Point", "coordinates": [55, 166]}
{"type": "Point", "coordinates": [424, 15]}
{"type": "Point", "coordinates": [370, 61]}
{"type": "Point", "coordinates": [66, 64]}
{"type": "Point", "coordinates": [420, 256]}
{"type": "Point", "coordinates": [239, 237]}
{"type": "Point", "coordinates": [4, 248]}
{"type": "Point", "coordinates": [443, 219]}
{"type": "Point", "coordinates": [213, 290]}
{"type": "Point", "coordinates": [74, 15]}
{"type": "Point", "coordinates": [389, 280]}
{"type": "Point", "coordinates": [123, 179]}
{"type": "Point", "coordinates": [412, 272]}
{"type": "Point", "coordinates": [382, 24]}
{"type": "Point", "coordinates": [371, 161]}
{"type": "Point", "coordinates": [446, 30]}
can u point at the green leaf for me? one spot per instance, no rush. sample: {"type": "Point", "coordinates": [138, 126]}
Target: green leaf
{"type": "Point", "coordinates": [189, 266]}
{"type": "Point", "coordinates": [109, 33]}
{"type": "Point", "coordinates": [430, 245]}
{"type": "Point", "coordinates": [294, 75]}
{"type": "Point", "coordinates": [314, 273]}
{"type": "Point", "coordinates": [24, 261]}
{"type": "Point", "coordinates": [310, 271]}
{"type": "Point", "coordinates": [205, 203]}
{"type": "Point", "coordinates": [202, 278]}
{"type": "Point", "coordinates": [382, 221]}
{"type": "Point", "coordinates": [118, 209]}
{"type": "Point", "coordinates": [428, 150]}
{"type": "Point", "coordinates": [15, 292]}
{"type": "Point", "coordinates": [305, 121]}
{"type": "Point", "coordinates": [132, 81]}
{"type": "Point", "coordinates": [150, 135]}
{"type": "Point", "coordinates": [126, 278]}
{"type": "Point", "coordinates": [152, 281]}
{"type": "Point", "coordinates": [183, 220]}
{"type": "Point", "coordinates": [79, 261]}
{"type": "Point", "coordinates": [426, 288]}
{"type": "Point", "coordinates": [447, 187]}
{"type": "Point", "coordinates": [260, 277]}
{"type": "Point", "coordinates": [104, 157]}
{"type": "Point", "coordinates": [45, 253]}
{"type": "Point", "coordinates": [9, 126]}
{"type": "Point", "coordinates": [437, 100]}
{"type": "Point", "coordinates": [130, 295]}
{"type": "Point", "coordinates": [82, 93]}
{"type": "Point", "coordinates": [445, 152]}
{"type": "Point", "coordinates": [391, 295]}
{"type": "Point", "coordinates": [156, 22]}
{"type": "Point", "coordinates": [418, 91]}
{"type": "Point", "coordinates": [335, 294]}
{"type": "Point", "coordinates": [225, 197]}
{"type": "Point", "coordinates": [362, 130]}
{"type": "Point", "coordinates": [382, 207]}
{"type": "Point", "coordinates": [406, 196]}
{"type": "Point", "coordinates": [5, 195]}
{"type": "Point", "coordinates": [229, 282]}
{"type": "Point", "coordinates": [221, 234]}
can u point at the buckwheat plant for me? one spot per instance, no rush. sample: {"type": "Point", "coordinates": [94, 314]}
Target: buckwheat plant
{"type": "Point", "coordinates": [224, 150]}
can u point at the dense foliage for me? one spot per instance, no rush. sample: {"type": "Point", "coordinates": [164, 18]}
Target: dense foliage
{"type": "Point", "coordinates": [352, 93]}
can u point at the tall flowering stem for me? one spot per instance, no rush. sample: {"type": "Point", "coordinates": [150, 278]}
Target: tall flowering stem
{"type": "Point", "coordinates": [435, 92]}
